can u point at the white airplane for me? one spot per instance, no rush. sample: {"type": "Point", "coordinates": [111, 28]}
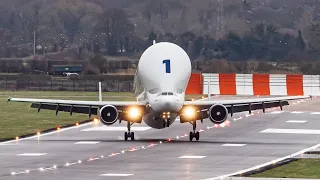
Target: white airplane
{"type": "Point", "coordinates": [160, 83]}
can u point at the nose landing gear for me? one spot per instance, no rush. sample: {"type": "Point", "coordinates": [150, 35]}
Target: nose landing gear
{"type": "Point", "coordinates": [194, 134]}
{"type": "Point", "coordinates": [166, 123]}
{"type": "Point", "coordinates": [166, 119]}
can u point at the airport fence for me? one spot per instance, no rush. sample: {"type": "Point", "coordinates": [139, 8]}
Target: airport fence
{"type": "Point", "coordinates": [66, 85]}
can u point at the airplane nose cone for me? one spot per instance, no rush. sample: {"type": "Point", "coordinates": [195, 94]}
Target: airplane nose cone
{"type": "Point", "coordinates": [166, 104]}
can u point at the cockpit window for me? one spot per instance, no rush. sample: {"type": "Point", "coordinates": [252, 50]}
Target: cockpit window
{"type": "Point", "coordinates": [154, 91]}
{"type": "Point", "coordinates": [179, 91]}
{"type": "Point", "coordinates": [167, 94]}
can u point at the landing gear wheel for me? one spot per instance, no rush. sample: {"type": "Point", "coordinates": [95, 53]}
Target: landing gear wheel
{"type": "Point", "coordinates": [190, 136]}
{"type": "Point", "coordinates": [129, 134]}
{"type": "Point", "coordinates": [132, 136]}
{"type": "Point", "coordinates": [194, 134]}
{"type": "Point", "coordinates": [197, 135]}
{"type": "Point", "coordinates": [125, 136]}
{"type": "Point", "coordinates": [168, 123]}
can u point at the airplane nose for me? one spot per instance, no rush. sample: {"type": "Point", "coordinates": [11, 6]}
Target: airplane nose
{"type": "Point", "coordinates": [166, 104]}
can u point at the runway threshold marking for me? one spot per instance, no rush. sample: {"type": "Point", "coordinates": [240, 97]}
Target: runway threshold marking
{"type": "Point", "coordinates": [296, 121]}
{"type": "Point", "coordinates": [116, 175]}
{"type": "Point", "coordinates": [233, 145]}
{"type": "Point", "coordinates": [110, 128]}
{"type": "Point", "coordinates": [32, 154]}
{"type": "Point", "coordinates": [87, 142]}
{"type": "Point", "coordinates": [191, 157]}
{"type": "Point", "coordinates": [291, 131]}
{"type": "Point", "coordinates": [315, 113]}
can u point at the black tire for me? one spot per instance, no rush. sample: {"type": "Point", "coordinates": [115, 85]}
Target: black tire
{"type": "Point", "coordinates": [168, 123]}
{"type": "Point", "coordinates": [132, 136]}
{"type": "Point", "coordinates": [197, 136]}
{"type": "Point", "coordinates": [190, 136]}
{"type": "Point", "coordinates": [125, 136]}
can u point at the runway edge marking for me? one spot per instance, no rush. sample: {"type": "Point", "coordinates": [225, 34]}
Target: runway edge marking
{"type": "Point", "coordinates": [266, 164]}
{"type": "Point", "coordinates": [49, 133]}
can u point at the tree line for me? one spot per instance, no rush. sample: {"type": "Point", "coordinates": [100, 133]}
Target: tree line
{"type": "Point", "coordinates": [113, 33]}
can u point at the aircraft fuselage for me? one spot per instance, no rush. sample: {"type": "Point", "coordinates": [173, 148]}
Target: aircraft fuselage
{"type": "Point", "coordinates": [161, 79]}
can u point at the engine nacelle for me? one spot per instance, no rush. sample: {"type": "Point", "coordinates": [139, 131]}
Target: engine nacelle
{"type": "Point", "coordinates": [217, 113]}
{"type": "Point", "coordinates": [108, 115]}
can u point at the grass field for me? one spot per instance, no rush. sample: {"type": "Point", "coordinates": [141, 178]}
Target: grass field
{"type": "Point", "coordinates": [303, 168]}
{"type": "Point", "coordinates": [19, 119]}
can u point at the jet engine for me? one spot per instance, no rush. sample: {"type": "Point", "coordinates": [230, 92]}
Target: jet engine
{"type": "Point", "coordinates": [217, 113]}
{"type": "Point", "coordinates": [108, 115]}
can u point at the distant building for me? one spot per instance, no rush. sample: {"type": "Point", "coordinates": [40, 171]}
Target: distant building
{"type": "Point", "coordinates": [66, 69]}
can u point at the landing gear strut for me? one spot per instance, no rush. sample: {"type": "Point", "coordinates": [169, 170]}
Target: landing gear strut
{"type": "Point", "coordinates": [194, 134]}
{"type": "Point", "coordinates": [129, 134]}
{"type": "Point", "coordinates": [166, 123]}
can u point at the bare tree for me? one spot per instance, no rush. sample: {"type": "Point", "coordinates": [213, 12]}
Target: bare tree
{"type": "Point", "coordinates": [71, 22]}
{"type": "Point", "coordinates": [115, 27]}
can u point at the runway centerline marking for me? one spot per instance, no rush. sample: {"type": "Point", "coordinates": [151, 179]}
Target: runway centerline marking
{"type": "Point", "coordinates": [116, 175]}
{"type": "Point", "coordinates": [296, 121]}
{"type": "Point", "coordinates": [32, 154]}
{"type": "Point", "coordinates": [233, 145]}
{"type": "Point", "coordinates": [88, 142]}
{"type": "Point", "coordinates": [191, 157]}
{"type": "Point", "coordinates": [276, 112]}
{"type": "Point", "coordinates": [296, 112]}
{"type": "Point", "coordinates": [291, 131]}
{"type": "Point", "coordinates": [110, 128]}
{"type": "Point", "coordinates": [315, 113]}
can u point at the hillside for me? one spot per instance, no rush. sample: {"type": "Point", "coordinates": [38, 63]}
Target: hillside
{"type": "Point", "coordinates": [272, 30]}
{"type": "Point", "coordinates": [175, 16]}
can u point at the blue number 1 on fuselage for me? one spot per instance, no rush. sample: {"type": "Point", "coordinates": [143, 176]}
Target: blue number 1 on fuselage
{"type": "Point", "coordinates": [167, 62]}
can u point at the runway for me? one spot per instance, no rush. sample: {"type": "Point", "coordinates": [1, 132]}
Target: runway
{"type": "Point", "coordinates": [98, 152]}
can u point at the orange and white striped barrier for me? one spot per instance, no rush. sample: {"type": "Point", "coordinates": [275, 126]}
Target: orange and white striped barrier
{"type": "Point", "coordinates": [261, 84]}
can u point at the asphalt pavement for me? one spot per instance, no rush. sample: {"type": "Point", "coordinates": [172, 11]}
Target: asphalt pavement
{"type": "Point", "coordinates": [93, 151]}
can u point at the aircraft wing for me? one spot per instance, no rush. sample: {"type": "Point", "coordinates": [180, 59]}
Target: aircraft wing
{"type": "Point", "coordinates": [242, 105]}
{"type": "Point", "coordinates": [83, 107]}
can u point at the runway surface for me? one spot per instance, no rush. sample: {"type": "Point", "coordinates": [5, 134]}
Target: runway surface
{"type": "Point", "coordinates": [98, 152]}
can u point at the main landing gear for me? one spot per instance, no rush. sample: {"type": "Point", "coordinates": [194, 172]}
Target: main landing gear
{"type": "Point", "coordinates": [194, 134]}
{"type": "Point", "coordinates": [129, 134]}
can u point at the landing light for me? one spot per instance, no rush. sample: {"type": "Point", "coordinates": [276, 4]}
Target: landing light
{"type": "Point", "coordinates": [189, 112]}
{"type": "Point", "coordinates": [96, 121]}
{"type": "Point", "coordinates": [134, 112]}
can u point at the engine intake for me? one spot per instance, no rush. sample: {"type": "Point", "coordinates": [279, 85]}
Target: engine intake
{"type": "Point", "coordinates": [218, 113]}
{"type": "Point", "coordinates": [108, 115]}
